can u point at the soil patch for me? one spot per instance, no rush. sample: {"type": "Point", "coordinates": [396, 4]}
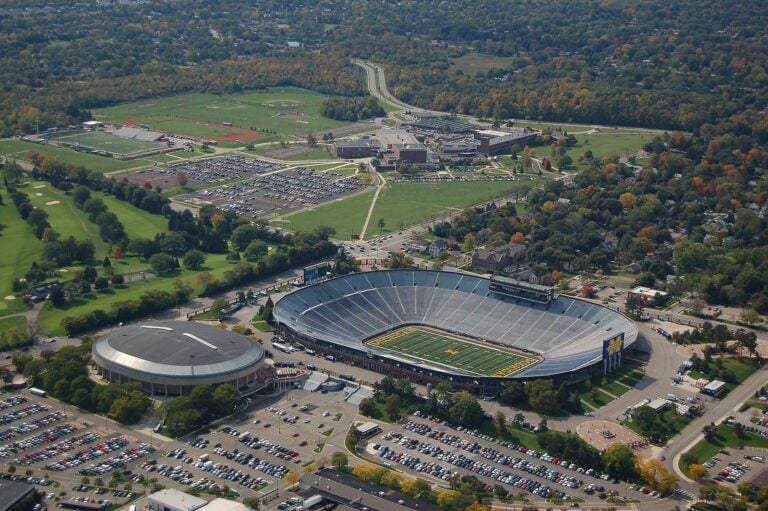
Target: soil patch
{"type": "Point", "coordinates": [292, 115]}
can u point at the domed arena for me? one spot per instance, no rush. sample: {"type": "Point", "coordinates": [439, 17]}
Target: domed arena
{"type": "Point", "coordinates": [434, 325]}
{"type": "Point", "coordinates": [171, 357]}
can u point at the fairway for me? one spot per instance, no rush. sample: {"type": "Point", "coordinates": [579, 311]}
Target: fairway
{"type": "Point", "coordinates": [287, 111]}
{"type": "Point", "coordinates": [452, 352]}
{"type": "Point", "coordinates": [22, 247]}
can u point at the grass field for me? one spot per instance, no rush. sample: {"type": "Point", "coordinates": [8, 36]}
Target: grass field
{"type": "Point", "coordinates": [400, 205]}
{"type": "Point", "coordinates": [405, 204]}
{"type": "Point", "coordinates": [452, 352]}
{"type": "Point", "coordinates": [21, 248]}
{"type": "Point", "coordinates": [249, 110]}
{"type": "Point", "coordinates": [111, 143]}
{"type": "Point", "coordinates": [473, 63]}
{"type": "Point", "coordinates": [346, 216]}
{"type": "Point", "coordinates": [20, 150]}
{"type": "Point", "coordinates": [16, 322]}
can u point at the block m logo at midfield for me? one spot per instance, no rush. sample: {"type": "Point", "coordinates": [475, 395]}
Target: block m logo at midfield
{"type": "Point", "coordinates": [613, 351]}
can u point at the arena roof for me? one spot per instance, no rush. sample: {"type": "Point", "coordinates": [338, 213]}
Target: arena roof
{"type": "Point", "coordinates": [177, 348]}
{"type": "Point", "coordinates": [346, 311]}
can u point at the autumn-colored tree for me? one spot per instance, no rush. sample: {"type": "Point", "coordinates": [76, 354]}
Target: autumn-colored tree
{"type": "Point", "coordinates": [587, 291]}
{"type": "Point", "coordinates": [292, 477]}
{"type": "Point", "coordinates": [627, 199]}
{"type": "Point", "coordinates": [656, 475]}
{"type": "Point", "coordinates": [182, 179]}
{"type": "Point", "coordinates": [518, 237]}
{"type": "Point", "coordinates": [697, 471]}
{"type": "Point", "coordinates": [117, 252]}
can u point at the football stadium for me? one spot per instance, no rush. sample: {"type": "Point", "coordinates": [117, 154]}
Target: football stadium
{"type": "Point", "coordinates": [171, 357]}
{"type": "Point", "coordinates": [435, 326]}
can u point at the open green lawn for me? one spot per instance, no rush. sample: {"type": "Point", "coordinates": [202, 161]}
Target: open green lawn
{"type": "Point", "coordinates": [616, 389]}
{"type": "Point", "coordinates": [107, 142]}
{"type": "Point", "coordinates": [603, 145]}
{"type": "Point", "coordinates": [399, 204]}
{"type": "Point", "coordinates": [452, 352]}
{"type": "Point", "coordinates": [20, 248]}
{"type": "Point", "coordinates": [406, 204]}
{"type": "Point", "coordinates": [726, 438]}
{"type": "Point", "coordinates": [50, 317]}
{"type": "Point", "coordinates": [20, 150]}
{"type": "Point", "coordinates": [473, 63]}
{"type": "Point", "coordinates": [258, 110]}
{"type": "Point", "coordinates": [17, 322]}
{"type": "Point", "coordinates": [345, 215]}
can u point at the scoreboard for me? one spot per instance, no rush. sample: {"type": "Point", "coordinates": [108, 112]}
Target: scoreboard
{"type": "Point", "coordinates": [613, 346]}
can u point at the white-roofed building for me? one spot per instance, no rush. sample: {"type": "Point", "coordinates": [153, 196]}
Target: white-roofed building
{"type": "Point", "coordinates": [174, 500]}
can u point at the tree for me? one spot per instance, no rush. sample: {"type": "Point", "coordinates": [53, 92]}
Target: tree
{"type": "Point", "coordinates": [339, 460]}
{"type": "Point", "coordinates": [466, 411]}
{"type": "Point", "coordinates": [749, 316]}
{"type": "Point", "coordinates": [256, 249]}
{"type": "Point", "coordinates": [708, 493]}
{"type": "Point", "coordinates": [392, 406]}
{"type": "Point", "coordinates": [697, 471]}
{"type": "Point", "coordinates": [644, 417]}
{"type": "Point", "coordinates": [292, 477]}
{"type": "Point", "coordinates": [161, 263]}
{"type": "Point", "coordinates": [224, 398]}
{"type": "Point", "coordinates": [367, 406]}
{"type": "Point", "coordinates": [656, 475]}
{"type": "Point", "coordinates": [311, 140]}
{"type": "Point", "coordinates": [398, 260]}
{"type": "Point", "coordinates": [194, 259]}
{"type": "Point", "coordinates": [501, 423]}
{"type": "Point", "coordinates": [619, 461]}
{"type": "Point", "coordinates": [252, 502]}
{"type": "Point", "coordinates": [710, 431]}
{"type": "Point", "coordinates": [182, 179]}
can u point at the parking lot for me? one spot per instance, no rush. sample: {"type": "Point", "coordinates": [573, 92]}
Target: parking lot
{"type": "Point", "coordinates": [54, 449]}
{"type": "Point", "coordinates": [276, 192]}
{"type": "Point", "coordinates": [433, 449]}
{"type": "Point", "coordinates": [205, 171]}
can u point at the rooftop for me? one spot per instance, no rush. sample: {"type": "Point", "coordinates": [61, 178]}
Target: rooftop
{"type": "Point", "coordinates": [389, 137]}
{"type": "Point", "coordinates": [11, 492]}
{"type": "Point", "coordinates": [177, 499]}
{"type": "Point", "coordinates": [177, 348]}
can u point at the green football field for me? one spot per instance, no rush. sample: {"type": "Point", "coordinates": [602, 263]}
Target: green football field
{"type": "Point", "coordinates": [110, 143]}
{"type": "Point", "coordinates": [452, 352]}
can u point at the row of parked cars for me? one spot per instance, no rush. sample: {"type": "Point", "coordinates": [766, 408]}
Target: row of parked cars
{"type": "Point", "coordinates": [30, 426]}
{"type": "Point", "coordinates": [44, 437]}
{"type": "Point", "coordinates": [246, 458]}
{"type": "Point", "coordinates": [119, 461]}
{"type": "Point", "coordinates": [60, 447]}
{"type": "Point", "coordinates": [89, 453]}
{"type": "Point", "coordinates": [272, 449]}
{"type": "Point", "coordinates": [11, 402]}
{"type": "Point", "coordinates": [19, 414]}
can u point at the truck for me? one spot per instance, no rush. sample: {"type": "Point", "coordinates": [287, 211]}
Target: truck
{"type": "Point", "coordinates": [37, 392]}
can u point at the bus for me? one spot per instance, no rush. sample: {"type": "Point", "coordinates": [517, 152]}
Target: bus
{"type": "Point", "coordinates": [37, 392]}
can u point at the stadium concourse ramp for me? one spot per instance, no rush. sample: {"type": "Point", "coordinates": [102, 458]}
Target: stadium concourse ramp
{"type": "Point", "coordinates": [567, 333]}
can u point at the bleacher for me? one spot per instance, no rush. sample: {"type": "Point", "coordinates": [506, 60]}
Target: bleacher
{"type": "Point", "coordinates": [567, 332]}
{"type": "Point", "coordinates": [138, 134]}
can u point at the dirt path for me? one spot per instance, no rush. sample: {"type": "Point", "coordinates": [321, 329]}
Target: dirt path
{"type": "Point", "coordinates": [382, 184]}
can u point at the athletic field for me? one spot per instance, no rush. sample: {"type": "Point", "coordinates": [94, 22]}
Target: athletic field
{"type": "Point", "coordinates": [110, 143]}
{"type": "Point", "coordinates": [445, 350]}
